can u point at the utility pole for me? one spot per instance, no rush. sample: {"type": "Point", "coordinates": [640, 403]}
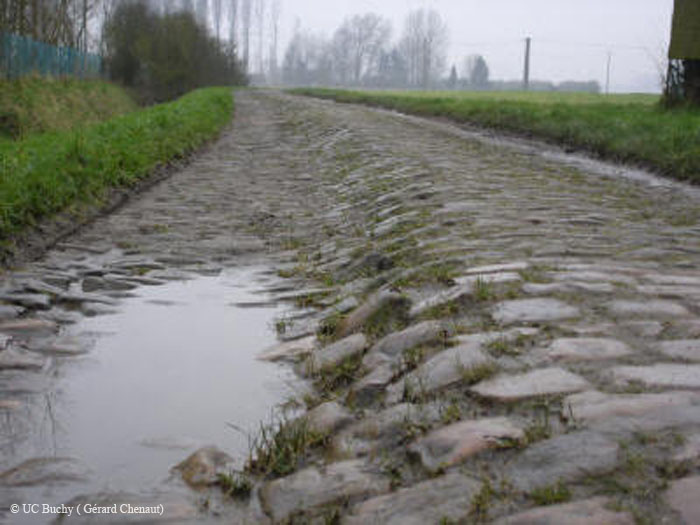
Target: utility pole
{"type": "Point", "coordinates": [607, 74]}
{"type": "Point", "coordinates": [526, 73]}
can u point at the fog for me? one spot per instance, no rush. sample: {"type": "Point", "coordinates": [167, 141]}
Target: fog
{"type": "Point", "coordinates": [571, 39]}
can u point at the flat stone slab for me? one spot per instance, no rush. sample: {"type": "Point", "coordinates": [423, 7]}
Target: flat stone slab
{"type": "Point", "coordinates": [594, 277]}
{"type": "Point", "coordinates": [567, 287]}
{"type": "Point", "coordinates": [465, 287]}
{"type": "Point", "coordinates": [645, 328]}
{"type": "Point", "coordinates": [540, 382]}
{"type": "Point", "coordinates": [8, 311]}
{"type": "Point", "coordinates": [28, 327]}
{"type": "Point", "coordinates": [585, 512]}
{"type": "Point", "coordinates": [484, 338]}
{"type": "Point", "coordinates": [33, 301]}
{"type": "Point", "coordinates": [328, 417]}
{"type": "Point", "coordinates": [12, 359]}
{"type": "Point", "coordinates": [373, 384]}
{"type": "Point", "coordinates": [564, 458]}
{"type": "Point", "coordinates": [455, 443]}
{"type": "Point", "coordinates": [345, 481]}
{"type": "Point", "coordinates": [43, 471]}
{"type": "Point", "coordinates": [672, 291]}
{"type": "Point", "coordinates": [690, 450]}
{"type": "Point", "coordinates": [647, 308]}
{"type": "Point", "coordinates": [593, 405]}
{"type": "Point", "coordinates": [391, 346]}
{"type": "Point", "coordinates": [290, 350]}
{"type": "Point", "coordinates": [533, 310]}
{"type": "Point", "coordinates": [447, 497]}
{"type": "Point", "coordinates": [442, 370]}
{"type": "Point", "coordinates": [497, 268]}
{"type": "Point", "coordinates": [661, 375]}
{"type": "Point", "coordinates": [446, 296]}
{"type": "Point", "coordinates": [686, 280]}
{"type": "Point", "coordinates": [334, 354]}
{"type": "Point", "coordinates": [586, 349]}
{"type": "Point", "coordinates": [688, 349]}
{"type": "Point", "coordinates": [382, 429]}
{"type": "Point", "coordinates": [380, 300]}
{"type": "Point", "coordinates": [489, 278]}
{"type": "Point", "coordinates": [682, 497]}
{"type": "Point", "coordinates": [60, 346]}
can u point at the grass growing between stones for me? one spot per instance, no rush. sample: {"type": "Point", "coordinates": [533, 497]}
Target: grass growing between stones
{"type": "Point", "coordinates": [330, 379]}
{"type": "Point", "coordinates": [551, 494]}
{"type": "Point", "coordinates": [629, 128]}
{"type": "Point", "coordinates": [237, 485]}
{"type": "Point", "coordinates": [279, 448]}
{"type": "Point", "coordinates": [46, 173]}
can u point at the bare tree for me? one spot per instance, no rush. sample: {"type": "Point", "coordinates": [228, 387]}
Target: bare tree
{"type": "Point", "coordinates": [217, 11]}
{"type": "Point", "coordinates": [260, 26]}
{"type": "Point", "coordinates": [307, 60]}
{"type": "Point", "coordinates": [233, 22]}
{"type": "Point", "coordinates": [424, 45]}
{"type": "Point", "coordinates": [56, 22]}
{"type": "Point", "coordinates": [358, 44]}
{"type": "Point", "coordinates": [202, 12]}
{"type": "Point", "coordinates": [246, 13]}
{"type": "Point", "coordinates": [275, 14]}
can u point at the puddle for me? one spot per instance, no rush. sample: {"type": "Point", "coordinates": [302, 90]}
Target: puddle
{"type": "Point", "coordinates": [173, 370]}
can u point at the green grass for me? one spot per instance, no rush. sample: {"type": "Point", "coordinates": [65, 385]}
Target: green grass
{"type": "Point", "coordinates": [280, 446]}
{"type": "Point", "coordinates": [627, 128]}
{"type": "Point", "coordinates": [38, 105]}
{"type": "Point", "coordinates": [49, 172]}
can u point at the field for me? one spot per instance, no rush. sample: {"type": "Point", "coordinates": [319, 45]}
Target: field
{"type": "Point", "coordinates": [633, 129]}
{"type": "Point", "coordinates": [45, 173]}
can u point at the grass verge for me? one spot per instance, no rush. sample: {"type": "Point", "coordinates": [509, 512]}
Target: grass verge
{"type": "Point", "coordinates": [36, 104]}
{"type": "Point", "coordinates": [625, 128]}
{"type": "Point", "coordinates": [46, 173]}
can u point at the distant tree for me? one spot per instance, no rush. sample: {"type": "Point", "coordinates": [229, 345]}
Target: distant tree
{"type": "Point", "coordinates": [479, 75]}
{"type": "Point", "coordinates": [307, 60]}
{"type": "Point", "coordinates": [259, 12]}
{"type": "Point", "coordinates": [393, 71]}
{"type": "Point", "coordinates": [202, 12]}
{"type": "Point", "coordinates": [233, 22]}
{"type": "Point", "coordinates": [424, 45]}
{"type": "Point", "coordinates": [357, 46]}
{"type": "Point", "coordinates": [246, 19]}
{"type": "Point", "coordinates": [592, 86]}
{"type": "Point", "coordinates": [164, 56]}
{"type": "Point", "coordinates": [275, 13]}
{"type": "Point", "coordinates": [453, 80]}
{"type": "Point", "coordinates": [217, 12]}
{"type": "Point", "coordinates": [56, 22]}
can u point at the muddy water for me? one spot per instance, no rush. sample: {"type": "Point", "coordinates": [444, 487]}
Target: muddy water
{"type": "Point", "coordinates": [172, 370]}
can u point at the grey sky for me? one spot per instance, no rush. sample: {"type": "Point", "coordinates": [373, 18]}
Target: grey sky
{"type": "Point", "coordinates": [571, 38]}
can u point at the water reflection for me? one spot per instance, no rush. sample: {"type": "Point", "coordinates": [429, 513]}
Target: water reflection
{"type": "Point", "coordinates": [167, 373]}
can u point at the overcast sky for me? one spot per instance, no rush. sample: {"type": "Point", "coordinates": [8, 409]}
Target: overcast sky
{"type": "Point", "coordinates": [570, 38]}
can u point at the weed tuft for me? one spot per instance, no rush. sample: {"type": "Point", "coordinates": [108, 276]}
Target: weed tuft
{"type": "Point", "coordinates": [551, 494]}
{"type": "Point", "coordinates": [280, 446]}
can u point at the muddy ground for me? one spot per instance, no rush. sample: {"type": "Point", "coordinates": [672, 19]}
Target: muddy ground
{"type": "Point", "coordinates": [492, 332]}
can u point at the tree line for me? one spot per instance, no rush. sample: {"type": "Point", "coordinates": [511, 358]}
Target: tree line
{"type": "Point", "coordinates": [56, 22]}
{"type": "Point", "coordinates": [162, 54]}
{"type": "Point", "coordinates": [361, 53]}
{"type": "Point", "coordinates": [158, 48]}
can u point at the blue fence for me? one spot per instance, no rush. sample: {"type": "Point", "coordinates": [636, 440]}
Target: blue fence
{"type": "Point", "coordinates": [21, 56]}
